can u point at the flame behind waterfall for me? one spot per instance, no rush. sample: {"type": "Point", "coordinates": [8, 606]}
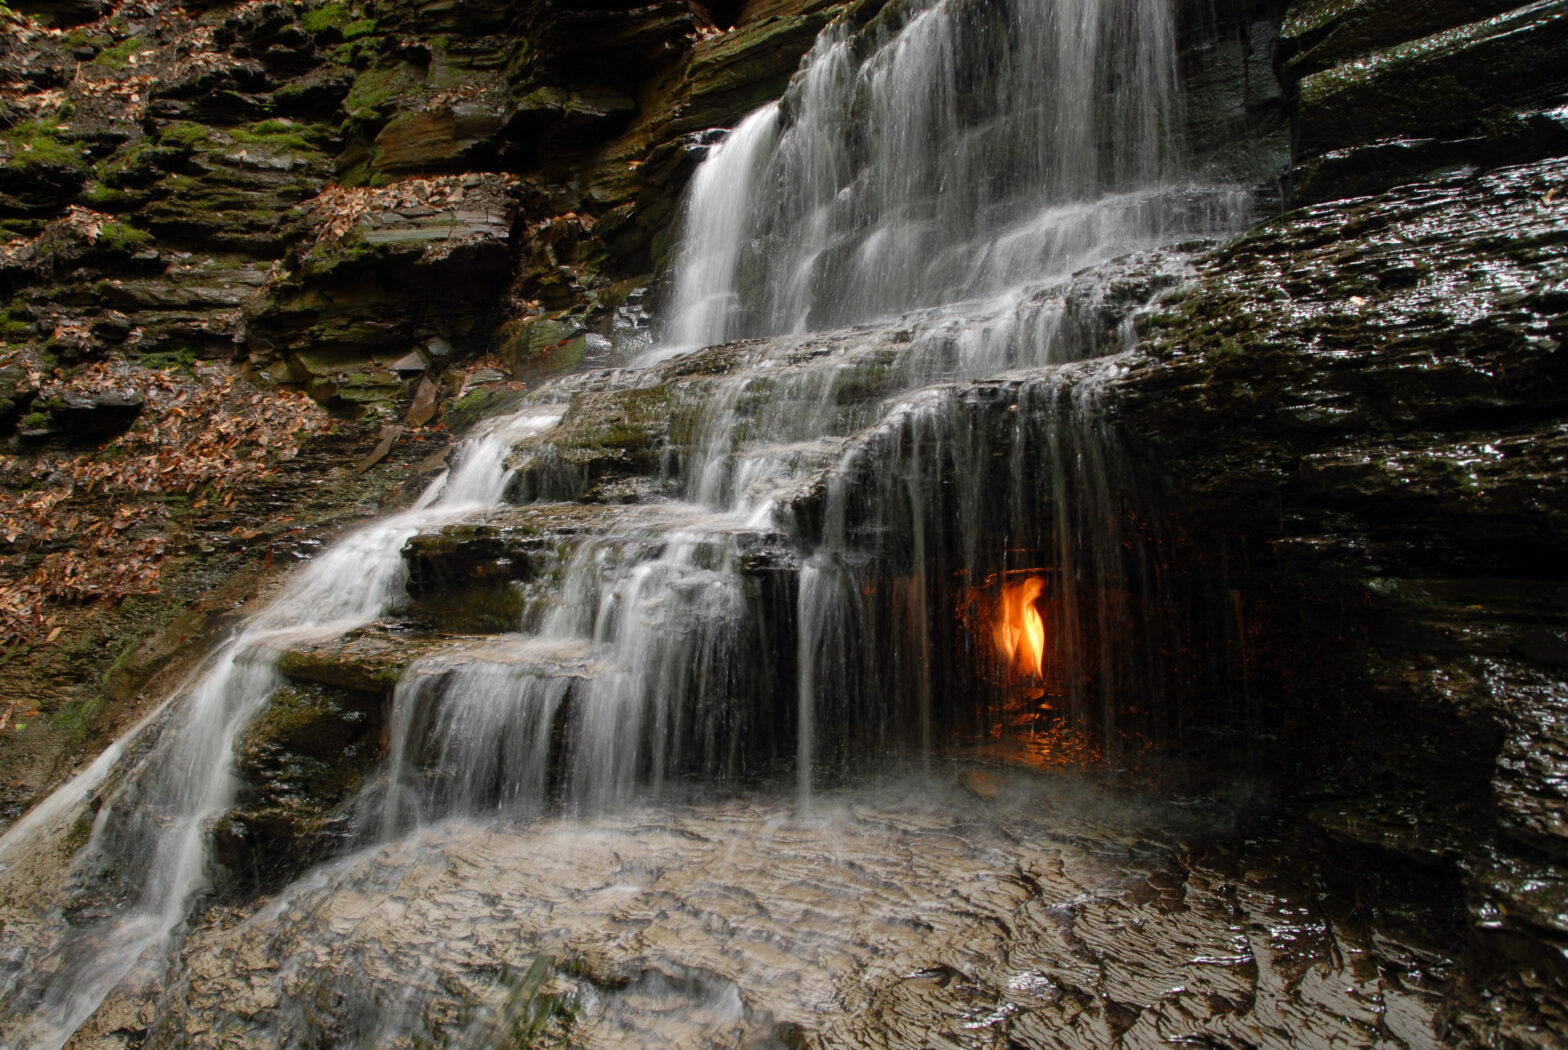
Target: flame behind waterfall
{"type": "Point", "coordinates": [1019, 630]}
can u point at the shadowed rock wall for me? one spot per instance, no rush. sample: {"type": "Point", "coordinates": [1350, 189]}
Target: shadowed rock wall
{"type": "Point", "coordinates": [1366, 397]}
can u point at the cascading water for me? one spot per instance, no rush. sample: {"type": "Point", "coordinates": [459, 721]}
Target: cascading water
{"type": "Point", "coordinates": [153, 831]}
{"type": "Point", "coordinates": [976, 148]}
{"type": "Point", "coordinates": [778, 586]}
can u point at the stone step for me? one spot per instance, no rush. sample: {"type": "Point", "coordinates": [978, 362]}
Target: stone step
{"type": "Point", "coordinates": [495, 572]}
{"type": "Point", "coordinates": [633, 436]}
{"type": "Point", "coordinates": [368, 661]}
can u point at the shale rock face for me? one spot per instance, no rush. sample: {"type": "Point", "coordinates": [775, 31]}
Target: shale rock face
{"type": "Point", "coordinates": [1392, 457]}
{"type": "Point", "coordinates": [1390, 91]}
{"type": "Point", "coordinates": [1368, 393]}
{"type": "Point", "coordinates": [385, 282]}
{"type": "Point", "coordinates": [543, 148]}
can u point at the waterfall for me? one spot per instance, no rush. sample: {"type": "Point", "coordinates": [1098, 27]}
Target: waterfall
{"type": "Point", "coordinates": [776, 595]}
{"type": "Point", "coordinates": [975, 148]}
{"type": "Point", "coordinates": [153, 832]}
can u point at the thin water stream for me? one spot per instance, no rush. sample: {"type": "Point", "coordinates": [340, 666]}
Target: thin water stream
{"type": "Point", "coordinates": [764, 595]}
{"type": "Point", "coordinates": [152, 833]}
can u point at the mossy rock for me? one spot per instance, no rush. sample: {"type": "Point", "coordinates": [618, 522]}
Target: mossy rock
{"type": "Point", "coordinates": [1438, 85]}
{"type": "Point", "coordinates": [301, 762]}
{"type": "Point", "coordinates": [541, 345]}
{"type": "Point", "coordinates": [37, 144]}
{"type": "Point", "coordinates": [482, 402]}
{"type": "Point", "coordinates": [369, 663]}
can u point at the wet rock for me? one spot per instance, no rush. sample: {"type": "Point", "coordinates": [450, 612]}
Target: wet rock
{"type": "Point", "coordinates": [1487, 92]}
{"type": "Point", "coordinates": [301, 762]}
{"type": "Point", "coordinates": [1318, 34]}
{"type": "Point", "coordinates": [1391, 459]}
{"type": "Point", "coordinates": [940, 918]}
{"type": "Point", "coordinates": [542, 344]}
{"type": "Point", "coordinates": [1442, 83]}
{"type": "Point", "coordinates": [367, 662]}
{"type": "Point", "coordinates": [475, 401]}
{"type": "Point", "coordinates": [607, 436]}
{"type": "Point", "coordinates": [1234, 103]}
{"type": "Point", "coordinates": [468, 577]}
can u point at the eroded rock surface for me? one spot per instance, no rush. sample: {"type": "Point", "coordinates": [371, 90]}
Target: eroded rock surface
{"type": "Point", "coordinates": [1050, 916]}
{"type": "Point", "coordinates": [1387, 374]}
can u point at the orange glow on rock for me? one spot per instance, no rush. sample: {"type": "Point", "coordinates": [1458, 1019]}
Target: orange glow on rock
{"type": "Point", "coordinates": [1019, 630]}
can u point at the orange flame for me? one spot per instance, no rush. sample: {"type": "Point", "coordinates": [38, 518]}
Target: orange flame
{"type": "Point", "coordinates": [1019, 631]}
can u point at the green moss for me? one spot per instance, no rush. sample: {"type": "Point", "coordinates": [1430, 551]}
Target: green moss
{"type": "Point", "coordinates": [1225, 350]}
{"type": "Point", "coordinates": [184, 135]}
{"type": "Point", "coordinates": [34, 421]}
{"type": "Point", "coordinates": [277, 134]}
{"type": "Point", "coordinates": [479, 404]}
{"type": "Point", "coordinates": [121, 237]}
{"type": "Point", "coordinates": [327, 16]}
{"type": "Point", "coordinates": [134, 165]}
{"type": "Point", "coordinates": [339, 17]}
{"type": "Point", "coordinates": [82, 828]}
{"type": "Point", "coordinates": [95, 194]}
{"type": "Point", "coordinates": [355, 175]}
{"type": "Point", "coordinates": [117, 58]}
{"type": "Point", "coordinates": [314, 720]}
{"type": "Point", "coordinates": [274, 134]}
{"type": "Point", "coordinates": [76, 717]}
{"type": "Point", "coordinates": [180, 359]}
{"type": "Point", "coordinates": [377, 90]}
{"type": "Point", "coordinates": [863, 381]}
{"type": "Point", "coordinates": [16, 320]}
{"type": "Point", "coordinates": [36, 144]}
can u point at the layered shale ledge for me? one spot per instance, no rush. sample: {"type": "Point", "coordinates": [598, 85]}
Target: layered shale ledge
{"type": "Point", "coordinates": [1378, 421]}
{"type": "Point", "coordinates": [164, 167]}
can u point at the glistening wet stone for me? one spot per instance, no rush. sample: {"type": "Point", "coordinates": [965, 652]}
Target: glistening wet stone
{"type": "Point", "coordinates": [1054, 914]}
